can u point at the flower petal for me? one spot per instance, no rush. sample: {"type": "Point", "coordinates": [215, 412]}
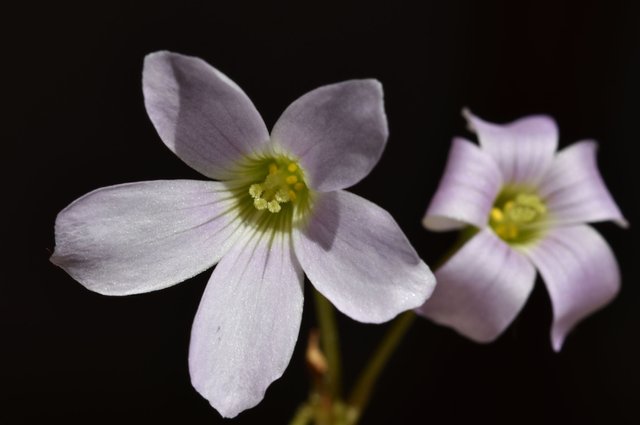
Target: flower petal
{"type": "Point", "coordinates": [338, 132]}
{"type": "Point", "coordinates": [247, 324]}
{"type": "Point", "coordinates": [573, 188]}
{"type": "Point", "coordinates": [141, 237]}
{"type": "Point", "coordinates": [355, 254]}
{"type": "Point", "coordinates": [581, 274]}
{"type": "Point", "coordinates": [468, 188]}
{"type": "Point", "coordinates": [523, 149]}
{"type": "Point", "coordinates": [481, 289]}
{"type": "Point", "coordinates": [200, 114]}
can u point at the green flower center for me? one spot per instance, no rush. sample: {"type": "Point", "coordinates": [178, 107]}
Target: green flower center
{"type": "Point", "coordinates": [283, 184]}
{"type": "Point", "coordinates": [517, 216]}
{"type": "Point", "coordinates": [272, 192]}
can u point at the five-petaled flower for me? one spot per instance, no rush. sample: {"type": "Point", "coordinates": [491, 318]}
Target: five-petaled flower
{"type": "Point", "coordinates": [277, 209]}
{"type": "Point", "coordinates": [529, 207]}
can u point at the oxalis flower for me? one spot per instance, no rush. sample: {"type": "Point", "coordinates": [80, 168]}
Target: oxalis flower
{"type": "Point", "coordinates": [529, 206]}
{"type": "Point", "coordinates": [277, 209]}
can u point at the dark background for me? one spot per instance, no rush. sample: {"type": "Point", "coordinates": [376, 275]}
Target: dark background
{"type": "Point", "coordinates": [77, 122]}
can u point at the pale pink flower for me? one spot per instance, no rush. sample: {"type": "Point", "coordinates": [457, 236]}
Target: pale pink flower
{"type": "Point", "coordinates": [530, 205]}
{"type": "Point", "coordinates": [276, 210]}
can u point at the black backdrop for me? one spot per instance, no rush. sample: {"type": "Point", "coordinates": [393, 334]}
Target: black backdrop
{"type": "Point", "coordinates": [77, 122]}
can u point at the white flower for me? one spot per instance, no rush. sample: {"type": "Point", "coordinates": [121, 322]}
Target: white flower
{"type": "Point", "coordinates": [277, 209]}
{"type": "Point", "coordinates": [530, 206]}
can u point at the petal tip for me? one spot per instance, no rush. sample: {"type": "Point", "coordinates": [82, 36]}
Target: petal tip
{"type": "Point", "coordinates": [372, 83]}
{"type": "Point", "coordinates": [156, 53]}
{"type": "Point", "coordinates": [438, 223]}
{"type": "Point", "coordinates": [150, 59]}
{"type": "Point", "coordinates": [426, 222]}
{"type": "Point", "coordinates": [59, 261]}
{"type": "Point", "coordinates": [557, 341]}
{"type": "Point", "coordinates": [622, 222]}
{"type": "Point", "coordinates": [230, 404]}
{"type": "Point", "coordinates": [469, 118]}
{"type": "Point", "coordinates": [377, 87]}
{"type": "Point", "coordinates": [54, 259]}
{"type": "Point", "coordinates": [485, 338]}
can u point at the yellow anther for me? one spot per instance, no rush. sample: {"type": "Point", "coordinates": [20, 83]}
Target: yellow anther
{"type": "Point", "coordinates": [282, 195]}
{"type": "Point", "coordinates": [291, 179]}
{"type": "Point", "coordinates": [282, 189]}
{"type": "Point", "coordinates": [256, 190]}
{"type": "Point", "coordinates": [274, 206]}
{"type": "Point", "coordinates": [496, 214]}
{"type": "Point", "coordinates": [260, 203]}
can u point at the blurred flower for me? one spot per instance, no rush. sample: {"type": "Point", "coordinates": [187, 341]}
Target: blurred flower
{"type": "Point", "coordinates": [277, 209]}
{"type": "Point", "coordinates": [528, 206]}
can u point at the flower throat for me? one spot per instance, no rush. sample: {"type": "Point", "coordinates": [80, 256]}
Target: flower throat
{"type": "Point", "coordinates": [283, 184]}
{"type": "Point", "coordinates": [516, 217]}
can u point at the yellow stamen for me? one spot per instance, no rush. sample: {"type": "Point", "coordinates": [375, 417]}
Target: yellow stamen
{"type": "Point", "coordinates": [274, 206]}
{"type": "Point", "coordinates": [282, 195]}
{"type": "Point", "coordinates": [260, 203]}
{"type": "Point", "coordinates": [283, 183]}
{"type": "Point", "coordinates": [496, 214]}
{"type": "Point", "coordinates": [256, 190]}
{"type": "Point", "coordinates": [291, 179]}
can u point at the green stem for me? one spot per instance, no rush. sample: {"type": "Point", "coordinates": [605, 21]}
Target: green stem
{"type": "Point", "coordinates": [329, 342]}
{"type": "Point", "coordinates": [364, 387]}
{"type": "Point", "coordinates": [303, 416]}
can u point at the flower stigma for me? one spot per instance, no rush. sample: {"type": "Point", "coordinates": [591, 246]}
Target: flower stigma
{"type": "Point", "coordinates": [516, 216]}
